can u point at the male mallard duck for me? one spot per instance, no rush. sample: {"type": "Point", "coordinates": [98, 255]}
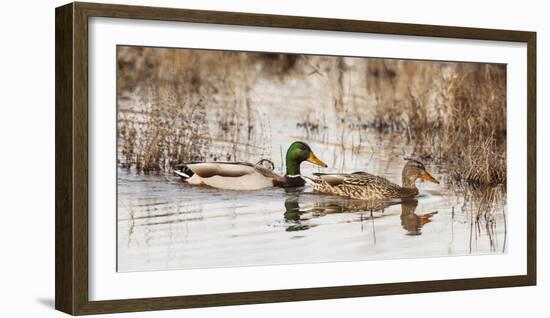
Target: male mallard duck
{"type": "Point", "coordinates": [365, 186]}
{"type": "Point", "coordinates": [247, 176]}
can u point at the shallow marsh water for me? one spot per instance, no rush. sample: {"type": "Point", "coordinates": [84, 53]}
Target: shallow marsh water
{"type": "Point", "coordinates": [164, 223]}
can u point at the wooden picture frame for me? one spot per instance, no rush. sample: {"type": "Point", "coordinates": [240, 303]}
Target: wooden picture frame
{"type": "Point", "coordinates": [71, 90]}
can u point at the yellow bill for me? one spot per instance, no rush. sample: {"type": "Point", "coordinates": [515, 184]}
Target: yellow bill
{"type": "Point", "coordinates": [313, 159]}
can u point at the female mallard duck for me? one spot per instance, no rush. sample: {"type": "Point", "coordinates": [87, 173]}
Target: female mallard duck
{"type": "Point", "coordinates": [247, 176]}
{"type": "Point", "coordinates": [365, 186]}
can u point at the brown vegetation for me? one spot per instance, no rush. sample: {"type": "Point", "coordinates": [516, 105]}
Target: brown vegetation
{"type": "Point", "coordinates": [177, 104]}
{"type": "Point", "coordinates": [171, 111]}
{"type": "Point", "coordinates": [453, 116]}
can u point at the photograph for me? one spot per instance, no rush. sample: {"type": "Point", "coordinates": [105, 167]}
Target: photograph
{"type": "Point", "coordinates": [236, 158]}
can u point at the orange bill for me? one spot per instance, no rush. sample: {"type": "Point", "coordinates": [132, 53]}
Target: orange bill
{"type": "Point", "coordinates": [313, 159]}
{"type": "Point", "coordinates": [424, 175]}
{"type": "Point", "coordinates": [425, 219]}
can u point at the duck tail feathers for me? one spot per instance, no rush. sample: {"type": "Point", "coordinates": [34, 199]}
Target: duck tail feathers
{"type": "Point", "coordinates": [183, 171]}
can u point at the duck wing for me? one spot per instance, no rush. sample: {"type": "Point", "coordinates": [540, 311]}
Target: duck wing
{"type": "Point", "coordinates": [359, 178]}
{"type": "Point", "coordinates": [369, 180]}
{"type": "Point", "coordinates": [332, 179]}
{"type": "Point", "coordinates": [340, 178]}
{"type": "Point", "coordinates": [222, 169]}
{"type": "Point", "coordinates": [228, 175]}
{"type": "Point", "coordinates": [227, 169]}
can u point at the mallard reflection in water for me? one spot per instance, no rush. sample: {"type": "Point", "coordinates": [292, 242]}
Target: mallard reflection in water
{"type": "Point", "coordinates": [329, 205]}
{"type": "Point", "coordinates": [299, 217]}
{"type": "Point", "coordinates": [410, 221]}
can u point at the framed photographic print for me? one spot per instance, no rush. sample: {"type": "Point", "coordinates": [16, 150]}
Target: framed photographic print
{"type": "Point", "coordinates": [219, 158]}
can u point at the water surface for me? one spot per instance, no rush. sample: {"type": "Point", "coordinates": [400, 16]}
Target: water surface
{"type": "Point", "coordinates": [164, 223]}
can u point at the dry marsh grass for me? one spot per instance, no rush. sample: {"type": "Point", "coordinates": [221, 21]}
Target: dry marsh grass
{"type": "Point", "coordinates": [456, 116]}
{"type": "Point", "coordinates": [171, 111]}
{"type": "Point", "coordinates": [483, 209]}
{"type": "Point", "coordinates": [157, 139]}
{"type": "Point", "coordinates": [176, 105]}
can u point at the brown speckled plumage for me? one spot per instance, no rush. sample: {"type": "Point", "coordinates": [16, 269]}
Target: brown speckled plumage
{"type": "Point", "coordinates": [365, 186]}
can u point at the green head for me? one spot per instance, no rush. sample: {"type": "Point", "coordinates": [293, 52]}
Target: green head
{"type": "Point", "coordinates": [297, 153]}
